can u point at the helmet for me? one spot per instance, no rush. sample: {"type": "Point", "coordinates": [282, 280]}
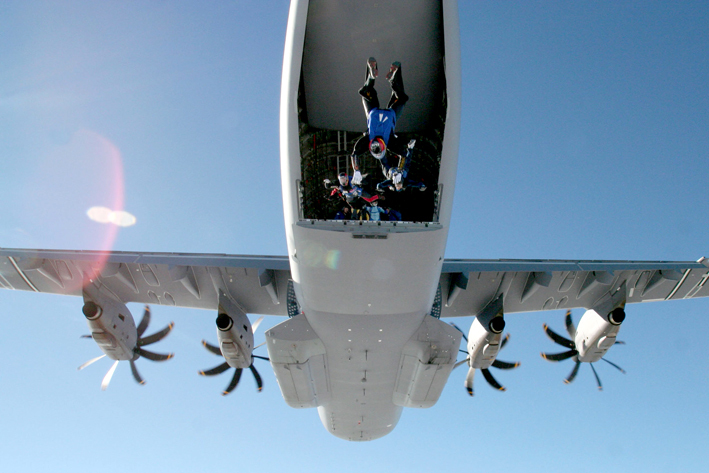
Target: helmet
{"type": "Point", "coordinates": [377, 147]}
{"type": "Point", "coordinates": [343, 178]}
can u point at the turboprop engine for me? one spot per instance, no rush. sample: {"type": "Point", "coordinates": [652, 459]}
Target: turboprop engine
{"type": "Point", "coordinates": [114, 331]}
{"type": "Point", "coordinates": [596, 333]}
{"type": "Point", "coordinates": [112, 328]}
{"type": "Point", "coordinates": [484, 341]}
{"type": "Point", "coordinates": [236, 344]}
{"type": "Point", "coordinates": [235, 335]}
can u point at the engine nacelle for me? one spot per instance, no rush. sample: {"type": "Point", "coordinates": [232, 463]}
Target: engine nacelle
{"type": "Point", "coordinates": [595, 334]}
{"type": "Point", "coordinates": [484, 342]}
{"type": "Point", "coordinates": [111, 324]}
{"type": "Point", "coordinates": [236, 337]}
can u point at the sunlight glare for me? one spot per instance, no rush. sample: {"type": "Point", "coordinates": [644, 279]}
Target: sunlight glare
{"type": "Point", "coordinates": [120, 218]}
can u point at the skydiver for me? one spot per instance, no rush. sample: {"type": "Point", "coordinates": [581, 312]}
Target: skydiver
{"type": "Point", "coordinates": [353, 195]}
{"type": "Point", "coordinates": [381, 122]}
{"type": "Point", "coordinates": [396, 176]}
{"type": "Point", "coordinates": [377, 213]}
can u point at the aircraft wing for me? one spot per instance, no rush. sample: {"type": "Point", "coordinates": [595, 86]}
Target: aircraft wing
{"type": "Point", "coordinates": [468, 286]}
{"type": "Point", "coordinates": [259, 283]}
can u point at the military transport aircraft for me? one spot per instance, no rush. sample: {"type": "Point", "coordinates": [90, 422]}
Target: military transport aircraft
{"type": "Point", "coordinates": [347, 347]}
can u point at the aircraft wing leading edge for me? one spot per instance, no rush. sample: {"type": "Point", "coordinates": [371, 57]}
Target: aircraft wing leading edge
{"type": "Point", "coordinates": [259, 284]}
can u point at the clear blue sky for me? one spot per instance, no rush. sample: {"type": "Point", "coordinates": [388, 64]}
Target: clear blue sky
{"type": "Point", "coordinates": [585, 136]}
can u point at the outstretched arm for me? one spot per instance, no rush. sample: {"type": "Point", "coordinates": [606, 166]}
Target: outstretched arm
{"type": "Point", "coordinates": [360, 147]}
{"type": "Point", "coordinates": [355, 162]}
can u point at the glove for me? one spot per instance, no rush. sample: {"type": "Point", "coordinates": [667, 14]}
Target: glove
{"type": "Point", "coordinates": [326, 181]}
{"type": "Point", "coordinates": [357, 178]}
{"type": "Point", "coordinates": [396, 177]}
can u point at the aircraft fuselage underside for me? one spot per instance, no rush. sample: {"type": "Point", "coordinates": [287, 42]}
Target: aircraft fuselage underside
{"type": "Point", "coordinates": [372, 344]}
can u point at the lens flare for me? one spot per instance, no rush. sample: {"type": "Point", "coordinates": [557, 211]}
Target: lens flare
{"type": "Point", "coordinates": [61, 181]}
{"type": "Point", "coordinates": [316, 255]}
{"type": "Point", "coordinates": [100, 214]}
{"type": "Point", "coordinates": [332, 259]}
{"type": "Point", "coordinates": [120, 218]}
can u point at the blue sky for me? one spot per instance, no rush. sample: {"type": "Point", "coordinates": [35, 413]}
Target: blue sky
{"type": "Point", "coordinates": [584, 136]}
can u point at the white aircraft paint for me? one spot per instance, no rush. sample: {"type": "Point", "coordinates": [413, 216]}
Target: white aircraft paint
{"type": "Point", "coordinates": [367, 308]}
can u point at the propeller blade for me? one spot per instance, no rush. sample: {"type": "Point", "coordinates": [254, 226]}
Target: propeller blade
{"type": "Point", "coordinates": [458, 328]}
{"type": "Point", "coordinates": [89, 362]}
{"type": "Point", "coordinates": [504, 365]}
{"type": "Point", "coordinates": [570, 329]}
{"type": "Point", "coordinates": [255, 325]}
{"type": "Point", "coordinates": [216, 350]}
{"type": "Point", "coordinates": [559, 356]}
{"type": "Point", "coordinates": [573, 373]}
{"type": "Point", "coordinates": [598, 380]}
{"type": "Point", "coordinates": [234, 382]}
{"type": "Point", "coordinates": [144, 322]}
{"type": "Point", "coordinates": [504, 341]}
{"type": "Point", "coordinates": [154, 356]}
{"type": "Point", "coordinates": [259, 345]}
{"type": "Point", "coordinates": [619, 342]}
{"type": "Point", "coordinates": [460, 363]}
{"type": "Point", "coordinates": [558, 339]}
{"type": "Point", "coordinates": [91, 336]}
{"type": "Point", "coordinates": [492, 381]}
{"type": "Point", "coordinates": [261, 357]}
{"type": "Point", "coordinates": [136, 375]}
{"type": "Point", "coordinates": [259, 382]}
{"type": "Point", "coordinates": [614, 365]}
{"type": "Point", "coordinates": [109, 375]}
{"type": "Point", "coordinates": [468, 383]}
{"type": "Point", "coordinates": [156, 337]}
{"type": "Point", "coordinates": [216, 370]}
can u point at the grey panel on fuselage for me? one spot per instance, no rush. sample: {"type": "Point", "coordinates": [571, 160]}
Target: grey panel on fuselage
{"type": "Point", "coordinates": [342, 35]}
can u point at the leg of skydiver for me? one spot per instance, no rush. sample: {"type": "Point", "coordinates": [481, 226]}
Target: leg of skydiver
{"type": "Point", "coordinates": [398, 97]}
{"type": "Point", "coordinates": [370, 99]}
{"type": "Point", "coordinates": [384, 185]}
{"type": "Point", "coordinates": [394, 215]}
{"type": "Point", "coordinates": [407, 159]}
